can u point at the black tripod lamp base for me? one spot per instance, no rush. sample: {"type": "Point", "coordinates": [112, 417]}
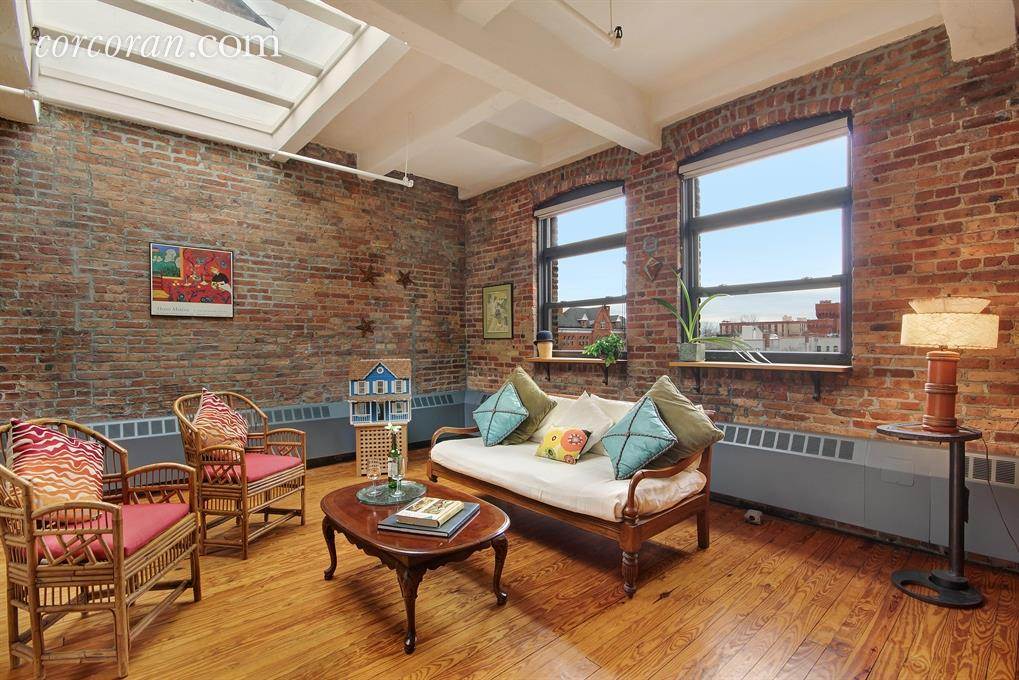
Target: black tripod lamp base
{"type": "Point", "coordinates": [938, 587]}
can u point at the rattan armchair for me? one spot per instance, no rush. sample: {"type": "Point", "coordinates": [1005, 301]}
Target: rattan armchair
{"type": "Point", "coordinates": [236, 483]}
{"type": "Point", "coordinates": [90, 556]}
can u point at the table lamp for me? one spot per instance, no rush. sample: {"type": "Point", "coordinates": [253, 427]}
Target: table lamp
{"type": "Point", "coordinates": [948, 323]}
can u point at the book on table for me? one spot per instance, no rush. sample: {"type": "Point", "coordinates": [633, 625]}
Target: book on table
{"type": "Point", "coordinates": [429, 512]}
{"type": "Point", "coordinates": [445, 530]}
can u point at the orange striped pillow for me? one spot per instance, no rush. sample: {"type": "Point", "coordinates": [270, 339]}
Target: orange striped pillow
{"type": "Point", "coordinates": [59, 468]}
{"type": "Point", "coordinates": [217, 423]}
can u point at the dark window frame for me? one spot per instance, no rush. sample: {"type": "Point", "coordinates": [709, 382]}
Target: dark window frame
{"type": "Point", "coordinates": [692, 226]}
{"type": "Point", "coordinates": [549, 253]}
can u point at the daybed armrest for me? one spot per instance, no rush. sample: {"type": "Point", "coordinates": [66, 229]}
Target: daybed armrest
{"type": "Point", "coordinates": [455, 431]}
{"type": "Point", "coordinates": [287, 441]}
{"type": "Point", "coordinates": [222, 464]}
{"type": "Point", "coordinates": [630, 510]}
{"type": "Point", "coordinates": [162, 483]}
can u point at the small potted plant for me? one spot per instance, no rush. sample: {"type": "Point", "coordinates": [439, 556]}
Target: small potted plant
{"type": "Point", "coordinates": [607, 349]}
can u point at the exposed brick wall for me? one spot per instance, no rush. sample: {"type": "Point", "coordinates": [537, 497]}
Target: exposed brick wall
{"type": "Point", "coordinates": [82, 196]}
{"type": "Point", "coordinates": [935, 210]}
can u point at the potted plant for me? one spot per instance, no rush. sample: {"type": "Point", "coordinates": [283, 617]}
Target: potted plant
{"type": "Point", "coordinates": [607, 349]}
{"type": "Point", "coordinates": [693, 346]}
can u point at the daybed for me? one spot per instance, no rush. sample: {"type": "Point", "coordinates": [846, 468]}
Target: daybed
{"type": "Point", "coordinates": [585, 495]}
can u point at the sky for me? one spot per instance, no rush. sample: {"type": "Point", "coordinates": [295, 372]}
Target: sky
{"type": "Point", "coordinates": [792, 248]}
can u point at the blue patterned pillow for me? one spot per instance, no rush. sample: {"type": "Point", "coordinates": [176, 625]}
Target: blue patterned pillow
{"type": "Point", "coordinates": [499, 415]}
{"type": "Point", "coordinates": [637, 439]}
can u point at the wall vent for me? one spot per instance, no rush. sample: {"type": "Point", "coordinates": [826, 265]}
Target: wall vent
{"type": "Point", "coordinates": [813, 445]}
{"type": "Point", "coordinates": [995, 469]}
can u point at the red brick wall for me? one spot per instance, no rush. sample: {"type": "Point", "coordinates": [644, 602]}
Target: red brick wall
{"type": "Point", "coordinates": [935, 210]}
{"type": "Point", "coordinates": [80, 199]}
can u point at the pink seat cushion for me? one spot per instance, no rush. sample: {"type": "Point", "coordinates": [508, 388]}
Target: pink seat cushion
{"type": "Point", "coordinates": [141, 524]}
{"type": "Point", "coordinates": [259, 466]}
{"type": "Point", "coordinates": [262, 465]}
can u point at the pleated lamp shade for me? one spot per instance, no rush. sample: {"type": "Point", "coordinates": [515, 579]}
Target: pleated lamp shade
{"type": "Point", "coordinates": [950, 323]}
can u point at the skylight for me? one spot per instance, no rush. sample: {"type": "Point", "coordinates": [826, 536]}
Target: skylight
{"type": "Point", "coordinates": [247, 63]}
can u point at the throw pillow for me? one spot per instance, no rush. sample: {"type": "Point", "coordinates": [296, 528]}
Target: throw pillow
{"type": "Point", "coordinates": [693, 428]}
{"type": "Point", "coordinates": [637, 439]}
{"type": "Point", "coordinates": [499, 415]}
{"type": "Point", "coordinates": [613, 409]}
{"type": "Point", "coordinates": [537, 403]}
{"type": "Point", "coordinates": [217, 423]}
{"type": "Point", "coordinates": [59, 468]}
{"type": "Point", "coordinates": [560, 404]}
{"type": "Point", "coordinates": [564, 444]}
{"type": "Point", "coordinates": [584, 414]}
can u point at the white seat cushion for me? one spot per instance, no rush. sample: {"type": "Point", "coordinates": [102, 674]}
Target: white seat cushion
{"type": "Point", "coordinates": [587, 488]}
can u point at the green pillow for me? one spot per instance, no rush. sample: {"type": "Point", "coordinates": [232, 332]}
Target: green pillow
{"type": "Point", "coordinates": [636, 440]}
{"type": "Point", "coordinates": [499, 414]}
{"type": "Point", "coordinates": [537, 403]}
{"type": "Point", "coordinates": [693, 429]}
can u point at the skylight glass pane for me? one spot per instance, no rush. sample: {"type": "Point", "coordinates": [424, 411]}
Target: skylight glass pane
{"type": "Point", "coordinates": [592, 221]}
{"type": "Point", "coordinates": [794, 321]}
{"type": "Point", "coordinates": [595, 275]}
{"type": "Point", "coordinates": [780, 250]}
{"type": "Point", "coordinates": [806, 170]}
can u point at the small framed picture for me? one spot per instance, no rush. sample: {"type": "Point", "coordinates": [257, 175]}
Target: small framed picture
{"type": "Point", "coordinates": [497, 311]}
{"type": "Point", "coordinates": [190, 281]}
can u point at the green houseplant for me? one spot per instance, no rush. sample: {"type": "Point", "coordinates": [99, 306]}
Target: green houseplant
{"type": "Point", "coordinates": [607, 349]}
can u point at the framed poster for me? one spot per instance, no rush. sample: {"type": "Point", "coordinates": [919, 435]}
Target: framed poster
{"type": "Point", "coordinates": [497, 311]}
{"type": "Point", "coordinates": [190, 281]}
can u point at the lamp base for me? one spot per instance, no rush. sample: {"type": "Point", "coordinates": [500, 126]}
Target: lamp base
{"type": "Point", "coordinates": [941, 389]}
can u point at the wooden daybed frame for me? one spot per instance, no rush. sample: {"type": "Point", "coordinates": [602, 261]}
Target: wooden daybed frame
{"type": "Point", "coordinates": [631, 531]}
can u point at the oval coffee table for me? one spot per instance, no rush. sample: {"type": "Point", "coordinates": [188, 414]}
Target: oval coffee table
{"type": "Point", "coordinates": [408, 554]}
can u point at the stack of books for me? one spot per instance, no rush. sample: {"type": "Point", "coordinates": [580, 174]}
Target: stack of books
{"type": "Point", "coordinates": [431, 517]}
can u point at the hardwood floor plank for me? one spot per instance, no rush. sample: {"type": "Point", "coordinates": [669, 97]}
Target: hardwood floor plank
{"type": "Point", "coordinates": [783, 596]}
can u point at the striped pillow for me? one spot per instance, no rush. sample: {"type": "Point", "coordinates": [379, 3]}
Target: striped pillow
{"type": "Point", "coordinates": [217, 423]}
{"type": "Point", "coordinates": [59, 468]}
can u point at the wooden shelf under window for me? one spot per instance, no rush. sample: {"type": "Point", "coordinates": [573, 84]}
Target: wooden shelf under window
{"type": "Point", "coordinates": [815, 370]}
{"type": "Point", "coordinates": [569, 362]}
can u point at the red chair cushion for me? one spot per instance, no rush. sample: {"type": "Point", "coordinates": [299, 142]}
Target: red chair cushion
{"type": "Point", "coordinates": [258, 465]}
{"type": "Point", "coordinates": [141, 523]}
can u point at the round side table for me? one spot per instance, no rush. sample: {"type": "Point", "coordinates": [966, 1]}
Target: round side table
{"type": "Point", "coordinates": [945, 588]}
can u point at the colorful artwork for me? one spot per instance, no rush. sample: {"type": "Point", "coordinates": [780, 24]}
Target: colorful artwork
{"type": "Point", "coordinates": [497, 311]}
{"type": "Point", "coordinates": [189, 281]}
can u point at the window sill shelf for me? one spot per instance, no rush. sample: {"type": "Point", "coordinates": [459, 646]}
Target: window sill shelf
{"type": "Point", "coordinates": [569, 362]}
{"type": "Point", "coordinates": [815, 370]}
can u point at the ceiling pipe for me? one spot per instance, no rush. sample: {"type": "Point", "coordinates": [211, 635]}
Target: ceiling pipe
{"type": "Point", "coordinates": [404, 181]}
{"type": "Point", "coordinates": [612, 38]}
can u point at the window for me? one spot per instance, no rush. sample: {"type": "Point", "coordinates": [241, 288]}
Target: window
{"type": "Point", "coordinates": [399, 386]}
{"type": "Point", "coordinates": [380, 386]}
{"type": "Point", "coordinates": [766, 221]}
{"type": "Point", "coordinates": [361, 408]}
{"type": "Point", "coordinates": [399, 408]}
{"type": "Point", "coordinates": [582, 266]}
{"type": "Point", "coordinates": [361, 388]}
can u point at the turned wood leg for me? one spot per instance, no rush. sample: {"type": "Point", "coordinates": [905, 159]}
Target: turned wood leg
{"type": "Point", "coordinates": [196, 575]}
{"type": "Point", "coordinates": [410, 579]}
{"type": "Point", "coordinates": [703, 531]}
{"type": "Point", "coordinates": [330, 536]}
{"type": "Point", "coordinates": [629, 573]}
{"type": "Point", "coordinates": [122, 632]}
{"type": "Point", "coordinates": [12, 628]}
{"type": "Point", "coordinates": [500, 545]}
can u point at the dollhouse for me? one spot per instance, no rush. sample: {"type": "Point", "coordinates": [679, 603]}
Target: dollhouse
{"type": "Point", "coordinates": [380, 393]}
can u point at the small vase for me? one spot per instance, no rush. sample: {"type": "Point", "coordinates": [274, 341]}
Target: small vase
{"type": "Point", "coordinates": [692, 351]}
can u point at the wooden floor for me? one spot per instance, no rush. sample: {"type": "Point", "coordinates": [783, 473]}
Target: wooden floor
{"type": "Point", "coordinates": [781, 600]}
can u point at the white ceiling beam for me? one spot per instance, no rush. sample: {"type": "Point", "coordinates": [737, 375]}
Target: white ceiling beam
{"type": "Point", "coordinates": [480, 11]}
{"type": "Point", "coordinates": [369, 58]}
{"type": "Point", "coordinates": [503, 141]}
{"type": "Point", "coordinates": [322, 12]}
{"type": "Point", "coordinates": [545, 73]}
{"type": "Point", "coordinates": [202, 19]}
{"type": "Point", "coordinates": [979, 27]}
{"type": "Point", "coordinates": [441, 107]}
{"type": "Point", "coordinates": [16, 62]}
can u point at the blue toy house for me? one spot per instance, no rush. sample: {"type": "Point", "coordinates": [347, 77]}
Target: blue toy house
{"type": "Point", "coordinates": [380, 392]}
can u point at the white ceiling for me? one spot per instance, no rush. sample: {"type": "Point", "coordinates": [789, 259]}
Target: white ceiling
{"type": "Point", "coordinates": [474, 93]}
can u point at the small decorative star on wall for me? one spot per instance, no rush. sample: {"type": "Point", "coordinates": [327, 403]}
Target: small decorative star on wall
{"type": "Point", "coordinates": [405, 280]}
{"type": "Point", "coordinates": [367, 327]}
{"type": "Point", "coordinates": [369, 274]}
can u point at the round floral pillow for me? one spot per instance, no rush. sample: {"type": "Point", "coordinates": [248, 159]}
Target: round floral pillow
{"type": "Point", "coordinates": [564, 444]}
